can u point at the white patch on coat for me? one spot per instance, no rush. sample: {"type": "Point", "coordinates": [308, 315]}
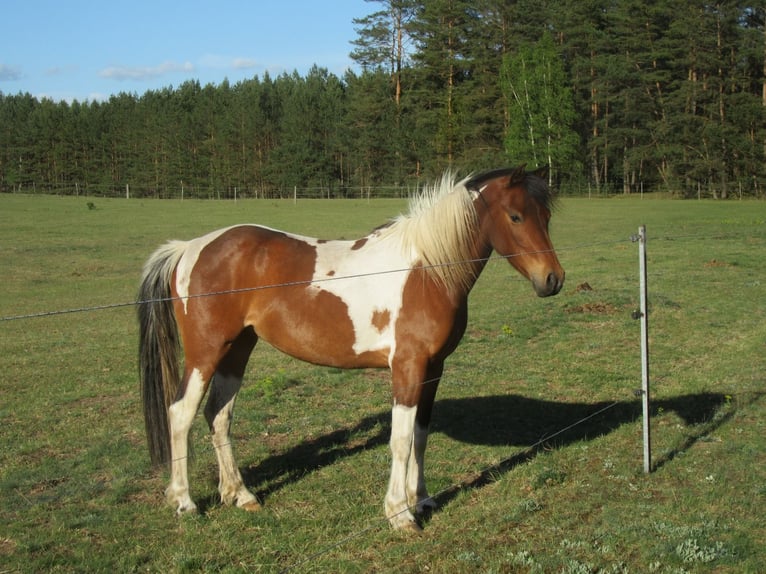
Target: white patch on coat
{"type": "Point", "coordinates": [369, 280]}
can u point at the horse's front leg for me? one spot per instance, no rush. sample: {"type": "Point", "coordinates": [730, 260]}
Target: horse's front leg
{"type": "Point", "coordinates": [402, 435]}
{"type": "Point", "coordinates": [417, 494]}
{"type": "Point", "coordinates": [180, 417]}
{"type": "Point", "coordinates": [407, 379]}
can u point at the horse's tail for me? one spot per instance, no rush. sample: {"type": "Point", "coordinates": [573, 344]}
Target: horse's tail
{"type": "Point", "coordinates": [158, 347]}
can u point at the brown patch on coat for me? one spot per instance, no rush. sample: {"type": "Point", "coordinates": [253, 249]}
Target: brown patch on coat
{"type": "Point", "coordinates": [381, 320]}
{"type": "Point", "coordinates": [358, 244]}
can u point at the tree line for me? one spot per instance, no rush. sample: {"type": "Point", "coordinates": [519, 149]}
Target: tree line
{"type": "Point", "coordinates": [617, 96]}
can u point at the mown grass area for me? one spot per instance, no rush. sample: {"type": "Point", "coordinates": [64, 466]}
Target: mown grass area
{"type": "Point", "coordinates": [517, 492]}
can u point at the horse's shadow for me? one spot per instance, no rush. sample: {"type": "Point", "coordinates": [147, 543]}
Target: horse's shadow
{"type": "Point", "coordinates": [537, 425]}
{"type": "Point", "coordinates": [505, 420]}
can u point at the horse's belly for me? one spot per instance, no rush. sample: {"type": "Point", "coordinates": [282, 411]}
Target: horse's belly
{"type": "Point", "coordinates": [318, 327]}
{"type": "Point", "coordinates": [329, 348]}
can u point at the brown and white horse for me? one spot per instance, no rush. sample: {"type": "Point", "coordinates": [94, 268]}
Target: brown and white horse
{"type": "Point", "coordinates": [396, 298]}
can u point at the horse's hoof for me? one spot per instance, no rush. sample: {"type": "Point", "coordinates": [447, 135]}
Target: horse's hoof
{"type": "Point", "coordinates": [184, 509]}
{"type": "Point", "coordinates": [410, 527]}
{"type": "Point", "coordinates": [405, 523]}
{"type": "Point", "coordinates": [426, 506]}
{"type": "Point", "coordinates": [252, 506]}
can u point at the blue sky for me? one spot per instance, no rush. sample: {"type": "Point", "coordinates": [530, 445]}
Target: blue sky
{"type": "Point", "coordinates": [89, 50]}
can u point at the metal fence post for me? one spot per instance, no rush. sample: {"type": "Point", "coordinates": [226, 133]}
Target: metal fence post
{"type": "Point", "coordinates": [644, 316]}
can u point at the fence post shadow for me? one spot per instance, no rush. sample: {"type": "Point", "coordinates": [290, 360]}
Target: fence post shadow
{"type": "Point", "coordinates": [527, 422]}
{"type": "Point", "coordinates": [705, 418]}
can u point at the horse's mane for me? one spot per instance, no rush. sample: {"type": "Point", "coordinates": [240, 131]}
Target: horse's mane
{"type": "Point", "coordinates": [440, 229]}
{"type": "Point", "coordinates": [441, 225]}
{"type": "Point", "coordinates": [535, 184]}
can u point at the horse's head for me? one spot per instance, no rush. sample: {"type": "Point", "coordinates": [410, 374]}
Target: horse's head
{"type": "Point", "coordinates": [515, 208]}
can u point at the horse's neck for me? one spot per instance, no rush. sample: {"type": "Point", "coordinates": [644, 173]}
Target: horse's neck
{"type": "Point", "coordinates": [483, 246]}
{"type": "Point", "coordinates": [483, 251]}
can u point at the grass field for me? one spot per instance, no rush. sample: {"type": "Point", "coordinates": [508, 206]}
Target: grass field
{"type": "Point", "coordinates": [516, 494]}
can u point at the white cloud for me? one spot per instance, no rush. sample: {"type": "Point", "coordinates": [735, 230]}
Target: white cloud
{"type": "Point", "coordinates": [10, 73]}
{"type": "Point", "coordinates": [244, 63]}
{"type": "Point", "coordinates": [227, 63]}
{"type": "Point", "coordinates": [144, 72]}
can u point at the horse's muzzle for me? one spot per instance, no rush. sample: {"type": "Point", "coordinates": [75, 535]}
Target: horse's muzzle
{"type": "Point", "coordinates": [552, 285]}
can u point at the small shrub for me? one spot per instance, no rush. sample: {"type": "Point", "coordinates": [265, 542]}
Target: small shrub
{"type": "Point", "coordinates": [690, 551]}
{"type": "Point", "coordinates": [270, 387]}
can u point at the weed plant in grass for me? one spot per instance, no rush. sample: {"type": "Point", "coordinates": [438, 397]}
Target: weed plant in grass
{"type": "Point", "coordinates": [516, 493]}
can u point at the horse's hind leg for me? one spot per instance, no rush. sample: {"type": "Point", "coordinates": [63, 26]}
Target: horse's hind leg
{"type": "Point", "coordinates": [218, 412]}
{"type": "Point", "coordinates": [181, 416]}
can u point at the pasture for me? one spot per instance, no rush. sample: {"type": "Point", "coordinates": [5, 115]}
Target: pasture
{"type": "Point", "coordinates": [535, 454]}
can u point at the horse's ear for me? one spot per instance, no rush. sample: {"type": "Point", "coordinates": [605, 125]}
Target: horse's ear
{"type": "Point", "coordinates": [542, 172]}
{"type": "Point", "coordinates": [519, 174]}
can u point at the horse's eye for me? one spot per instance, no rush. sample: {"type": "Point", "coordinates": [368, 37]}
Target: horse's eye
{"type": "Point", "coordinates": [515, 218]}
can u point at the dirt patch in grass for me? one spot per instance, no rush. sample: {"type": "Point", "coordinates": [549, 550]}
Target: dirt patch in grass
{"type": "Point", "coordinates": [596, 308]}
{"type": "Point", "coordinates": [7, 546]}
{"type": "Point", "coordinates": [717, 263]}
{"type": "Point", "coordinates": [47, 484]}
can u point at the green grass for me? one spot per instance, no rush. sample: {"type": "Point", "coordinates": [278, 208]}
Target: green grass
{"type": "Point", "coordinates": [77, 492]}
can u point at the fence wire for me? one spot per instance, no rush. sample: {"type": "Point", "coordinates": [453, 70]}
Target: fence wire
{"type": "Point", "coordinates": [109, 306]}
{"type": "Point", "coordinates": [119, 305]}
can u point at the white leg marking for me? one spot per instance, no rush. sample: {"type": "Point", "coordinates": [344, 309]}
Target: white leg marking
{"type": "Point", "coordinates": [230, 483]}
{"type": "Point", "coordinates": [417, 494]}
{"type": "Point", "coordinates": [181, 415]}
{"type": "Point", "coordinates": [402, 431]}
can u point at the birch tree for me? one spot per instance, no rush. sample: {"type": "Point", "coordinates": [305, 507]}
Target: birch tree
{"type": "Point", "coordinates": [541, 110]}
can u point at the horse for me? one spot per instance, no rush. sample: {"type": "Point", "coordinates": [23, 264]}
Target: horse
{"type": "Point", "coordinates": [395, 298]}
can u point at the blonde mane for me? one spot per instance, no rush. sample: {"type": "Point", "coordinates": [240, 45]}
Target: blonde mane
{"type": "Point", "coordinates": [440, 231]}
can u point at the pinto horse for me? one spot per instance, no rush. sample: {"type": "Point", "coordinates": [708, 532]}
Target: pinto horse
{"type": "Point", "coordinates": [396, 298]}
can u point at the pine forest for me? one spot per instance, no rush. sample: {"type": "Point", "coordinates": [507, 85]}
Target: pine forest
{"type": "Point", "coordinates": [616, 96]}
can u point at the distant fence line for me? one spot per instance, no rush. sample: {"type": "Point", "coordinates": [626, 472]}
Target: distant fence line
{"type": "Point", "coordinates": [228, 193]}
{"type": "Point", "coordinates": [736, 190]}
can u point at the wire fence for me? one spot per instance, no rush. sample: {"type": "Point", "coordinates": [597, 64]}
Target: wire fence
{"type": "Point", "coordinates": [746, 188]}
{"type": "Point", "coordinates": [123, 304]}
{"type": "Point", "coordinates": [118, 305]}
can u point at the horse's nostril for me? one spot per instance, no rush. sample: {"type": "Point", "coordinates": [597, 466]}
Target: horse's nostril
{"type": "Point", "coordinates": [553, 284]}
